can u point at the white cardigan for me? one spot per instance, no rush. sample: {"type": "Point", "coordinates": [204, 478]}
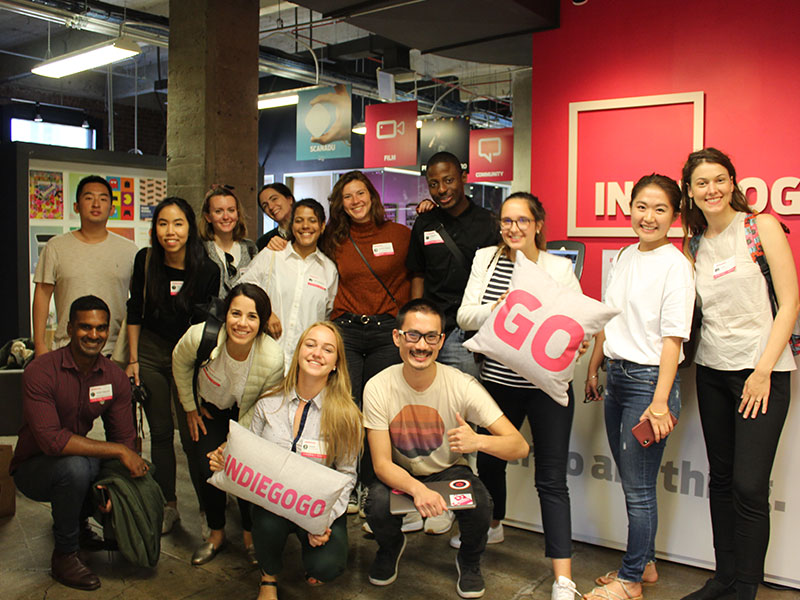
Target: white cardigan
{"type": "Point", "coordinates": [266, 370]}
{"type": "Point", "coordinates": [472, 314]}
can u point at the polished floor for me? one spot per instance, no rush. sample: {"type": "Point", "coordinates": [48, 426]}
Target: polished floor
{"type": "Point", "coordinates": [515, 569]}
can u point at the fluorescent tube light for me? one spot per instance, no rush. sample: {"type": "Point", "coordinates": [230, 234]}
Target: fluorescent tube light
{"type": "Point", "coordinates": [275, 100]}
{"type": "Point", "coordinates": [88, 58]}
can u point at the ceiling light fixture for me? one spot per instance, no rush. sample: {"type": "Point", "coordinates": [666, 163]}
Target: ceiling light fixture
{"type": "Point", "coordinates": [360, 128]}
{"type": "Point", "coordinates": [38, 116]}
{"type": "Point", "coordinates": [91, 57]}
{"type": "Point", "coordinates": [276, 99]}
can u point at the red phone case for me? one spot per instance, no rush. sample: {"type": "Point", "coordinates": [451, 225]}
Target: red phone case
{"type": "Point", "coordinates": [643, 431]}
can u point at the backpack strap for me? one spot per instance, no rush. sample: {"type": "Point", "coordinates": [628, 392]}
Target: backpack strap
{"type": "Point", "coordinates": [208, 341]}
{"type": "Point", "coordinates": [694, 244]}
{"type": "Point", "coordinates": [757, 254]}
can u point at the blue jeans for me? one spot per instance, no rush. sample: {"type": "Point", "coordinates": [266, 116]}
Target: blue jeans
{"type": "Point", "coordinates": [455, 355]}
{"type": "Point", "coordinates": [629, 391]}
{"type": "Point", "coordinates": [64, 482]}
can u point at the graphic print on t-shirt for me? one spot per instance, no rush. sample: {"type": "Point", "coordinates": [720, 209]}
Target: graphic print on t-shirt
{"type": "Point", "coordinates": [416, 430]}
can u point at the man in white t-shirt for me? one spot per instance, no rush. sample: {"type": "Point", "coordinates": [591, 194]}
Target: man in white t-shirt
{"type": "Point", "coordinates": [416, 417]}
{"type": "Point", "coordinates": [88, 261]}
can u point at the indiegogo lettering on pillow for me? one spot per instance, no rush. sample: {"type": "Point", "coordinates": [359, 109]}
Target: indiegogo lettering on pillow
{"type": "Point", "coordinates": [278, 480]}
{"type": "Point", "coordinates": [537, 330]}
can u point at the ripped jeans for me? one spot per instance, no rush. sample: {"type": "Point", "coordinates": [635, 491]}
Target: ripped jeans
{"type": "Point", "coordinates": [629, 391]}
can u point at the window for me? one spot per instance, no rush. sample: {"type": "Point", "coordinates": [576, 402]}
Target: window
{"type": "Point", "coordinates": [53, 134]}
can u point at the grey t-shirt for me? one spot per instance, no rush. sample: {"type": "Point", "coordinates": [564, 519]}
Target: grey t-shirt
{"type": "Point", "coordinates": [76, 269]}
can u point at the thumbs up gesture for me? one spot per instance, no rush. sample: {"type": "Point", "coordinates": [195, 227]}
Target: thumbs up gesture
{"type": "Point", "coordinates": [463, 438]}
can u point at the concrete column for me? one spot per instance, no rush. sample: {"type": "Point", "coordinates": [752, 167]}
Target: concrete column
{"type": "Point", "coordinates": [212, 117]}
{"type": "Point", "coordinates": [521, 109]}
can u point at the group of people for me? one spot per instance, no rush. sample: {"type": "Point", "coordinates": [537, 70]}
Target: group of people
{"type": "Point", "coordinates": [351, 327]}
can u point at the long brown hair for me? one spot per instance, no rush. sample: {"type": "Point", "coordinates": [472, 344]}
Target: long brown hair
{"type": "Point", "coordinates": [207, 229]}
{"type": "Point", "coordinates": [340, 424]}
{"type": "Point", "coordinates": [339, 223]}
{"type": "Point", "coordinates": [692, 218]}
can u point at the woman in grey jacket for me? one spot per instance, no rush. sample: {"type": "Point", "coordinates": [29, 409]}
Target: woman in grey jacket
{"type": "Point", "coordinates": [244, 365]}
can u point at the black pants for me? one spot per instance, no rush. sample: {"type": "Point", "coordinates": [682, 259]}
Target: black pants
{"type": "Point", "coordinates": [740, 456]}
{"type": "Point", "coordinates": [214, 499]}
{"type": "Point", "coordinates": [550, 426]}
{"type": "Point", "coordinates": [473, 523]}
{"type": "Point", "coordinates": [369, 349]}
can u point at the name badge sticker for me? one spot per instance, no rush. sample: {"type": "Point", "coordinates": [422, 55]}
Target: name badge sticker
{"type": "Point", "coordinates": [384, 249]}
{"type": "Point", "coordinates": [175, 287]}
{"type": "Point", "coordinates": [317, 283]}
{"type": "Point", "coordinates": [461, 500]}
{"type": "Point", "coordinates": [724, 267]}
{"type": "Point", "coordinates": [432, 237]}
{"type": "Point", "coordinates": [313, 449]}
{"type": "Point", "coordinates": [100, 393]}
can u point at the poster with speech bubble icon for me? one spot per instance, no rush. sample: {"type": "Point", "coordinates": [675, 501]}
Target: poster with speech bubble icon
{"type": "Point", "coordinates": [491, 155]}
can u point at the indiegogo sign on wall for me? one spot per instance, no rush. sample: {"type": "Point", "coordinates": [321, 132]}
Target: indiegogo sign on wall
{"type": "Point", "coordinates": [391, 139]}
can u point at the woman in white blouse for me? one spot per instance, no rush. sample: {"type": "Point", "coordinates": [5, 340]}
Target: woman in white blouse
{"type": "Point", "coordinates": [313, 403]}
{"type": "Point", "coordinates": [522, 229]}
{"type": "Point", "coordinates": [300, 280]}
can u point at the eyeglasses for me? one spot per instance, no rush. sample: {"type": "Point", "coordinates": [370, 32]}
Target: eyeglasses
{"type": "Point", "coordinates": [523, 223]}
{"type": "Point", "coordinates": [232, 270]}
{"type": "Point", "coordinates": [412, 337]}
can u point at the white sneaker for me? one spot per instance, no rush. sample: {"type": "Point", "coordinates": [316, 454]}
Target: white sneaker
{"type": "Point", "coordinates": [411, 522]}
{"type": "Point", "coordinates": [171, 517]}
{"type": "Point", "coordinates": [441, 524]}
{"type": "Point", "coordinates": [352, 503]}
{"type": "Point", "coordinates": [495, 536]}
{"type": "Point", "coordinates": [564, 589]}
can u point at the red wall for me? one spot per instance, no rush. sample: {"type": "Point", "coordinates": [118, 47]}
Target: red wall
{"type": "Point", "coordinates": [744, 55]}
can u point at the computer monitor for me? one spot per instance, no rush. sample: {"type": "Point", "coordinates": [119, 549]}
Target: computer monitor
{"type": "Point", "coordinates": [571, 249]}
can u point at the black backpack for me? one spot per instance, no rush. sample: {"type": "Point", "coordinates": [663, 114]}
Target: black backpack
{"type": "Point", "coordinates": [212, 315]}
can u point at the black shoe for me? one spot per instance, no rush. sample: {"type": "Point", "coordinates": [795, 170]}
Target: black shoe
{"type": "Point", "coordinates": [384, 568]}
{"type": "Point", "coordinates": [713, 590]}
{"type": "Point", "coordinates": [470, 581]}
{"type": "Point", "coordinates": [89, 541]}
{"type": "Point", "coordinates": [68, 569]}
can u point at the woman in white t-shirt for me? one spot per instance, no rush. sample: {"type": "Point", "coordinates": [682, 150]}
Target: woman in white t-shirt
{"type": "Point", "coordinates": [651, 282]}
{"type": "Point", "coordinates": [245, 363]}
{"type": "Point", "coordinates": [743, 363]}
{"type": "Point", "coordinates": [522, 228]}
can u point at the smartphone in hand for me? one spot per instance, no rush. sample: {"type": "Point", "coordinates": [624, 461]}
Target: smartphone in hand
{"type": "Point", "coordinates": [643, 431]}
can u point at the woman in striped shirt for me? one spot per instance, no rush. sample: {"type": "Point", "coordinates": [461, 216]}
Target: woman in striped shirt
{"type": "Point", "coordinates": [522, 229]}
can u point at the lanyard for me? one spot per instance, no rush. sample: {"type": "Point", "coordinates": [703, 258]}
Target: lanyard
{"type": "Point", "coordinates": [300, 428]}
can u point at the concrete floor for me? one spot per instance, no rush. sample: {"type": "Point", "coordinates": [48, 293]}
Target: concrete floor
{"type": "Point", "coordinates": [515, 569]}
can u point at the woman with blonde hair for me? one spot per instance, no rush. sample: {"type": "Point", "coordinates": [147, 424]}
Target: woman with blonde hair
{"type": "Point", "coordinates": [312, 403]}
{"type": "Point", "coordinates": [224, 234]}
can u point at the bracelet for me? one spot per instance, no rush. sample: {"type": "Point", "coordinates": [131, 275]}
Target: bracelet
{"type": "Point", "coordinates": [655, 414]}
{"type": "Point", "coordinates": [133, 362]}
{"type": "Point", "coordinates": [592, 377]}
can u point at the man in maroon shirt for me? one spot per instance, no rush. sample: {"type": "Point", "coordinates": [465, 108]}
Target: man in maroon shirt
{"type": "Point", "coordinates": [63, 392]}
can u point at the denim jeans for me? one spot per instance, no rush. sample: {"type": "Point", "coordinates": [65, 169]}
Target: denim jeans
{"type": "Point", "coordinates": [740, 456]}
{"type": "Point", "coordinates": [473, 523]}
{"type": "Point", "coordinates": [455, 355]}
{"type": "Point", "coordinates": [64, 482]}
{"type": "Point", "coordinates": [629, 391]}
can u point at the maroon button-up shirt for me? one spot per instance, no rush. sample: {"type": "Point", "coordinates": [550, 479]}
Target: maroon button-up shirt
{"type": "Point", "coordinates": [56, 404]}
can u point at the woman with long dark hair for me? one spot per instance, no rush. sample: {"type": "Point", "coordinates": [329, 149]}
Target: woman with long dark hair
{"type": "Point", "coordinates": [276, 200]}
{"type": "Point", "coordinates": [169, 279]}
{"type": "Point", "coordinates": [743, 362]}
{"type": "Point", "coordinates": [245, 363]}
{"type": "Point", "coordinates": [313, 402]}
{"type": "Point", "coordinates": [224, 234]}
{"type": "Point", "coordinates": [370, 254]}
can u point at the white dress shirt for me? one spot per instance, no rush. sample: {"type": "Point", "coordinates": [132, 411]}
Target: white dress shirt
{"type": "Point", "coordinates": [301, 290]}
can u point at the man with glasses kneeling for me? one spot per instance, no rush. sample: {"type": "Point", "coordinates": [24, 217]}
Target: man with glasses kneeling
{"type": "Point", "coordinates": [416, 417]}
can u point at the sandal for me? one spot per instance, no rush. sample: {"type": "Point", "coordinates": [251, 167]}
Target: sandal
{"type": "Point", "coordinates": [611, 576]}
{"type": "Point", "coordinates": [604, 593]}
{"type": "Point", "coordinates": [269, 583]}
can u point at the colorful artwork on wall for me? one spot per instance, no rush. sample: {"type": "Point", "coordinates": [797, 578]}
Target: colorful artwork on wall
{"type": "Point", "coordinates": [151, 192]}
{"type": "Point", "coordinates": [39, 236]}
{"type": "Point", "coordinates": [46, 195]}
{"type": "Point", "coordinates": [121, 198]}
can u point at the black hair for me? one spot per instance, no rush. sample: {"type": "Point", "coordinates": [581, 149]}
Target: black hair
{"type": "Point", "coordinates": [258, 296]}
{"type": "Point", "coordinates": [420, 305]}
{"type": "Point", "coordinates": [319, 212]}
{"type": "Point", "coordinates": [445, 157]}
{"type": "Point", "coordinates": [92, 179]}
{"type": "Point", "coordinates": [85, 303]}
{"type": "Point", "coordinates": [282, 189]}
{"type": "Point", "coordinates": [667, 185]}
{"type": "Point", "coordinates": [194, 257]}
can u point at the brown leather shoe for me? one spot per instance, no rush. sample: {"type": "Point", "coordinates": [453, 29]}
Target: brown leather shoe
{"type": "Point", "coordinates": [68, 569]}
